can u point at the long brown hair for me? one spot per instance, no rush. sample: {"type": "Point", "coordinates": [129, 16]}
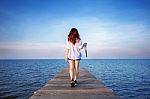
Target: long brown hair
{"type": "Point", "coordinates": [73, 35]}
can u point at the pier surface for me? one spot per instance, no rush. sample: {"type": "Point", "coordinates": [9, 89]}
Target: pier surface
{"type": "Point", "coordinates": [88, 88]}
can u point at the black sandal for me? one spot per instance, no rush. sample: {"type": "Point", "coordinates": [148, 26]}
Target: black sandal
{"type": "Point", "coordinates": [72, 83]}
{"type": "Point", "coordinates": [75, 82]}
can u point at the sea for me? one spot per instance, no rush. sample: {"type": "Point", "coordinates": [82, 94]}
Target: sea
{"type": "Point", "coordinates": [129, 78]}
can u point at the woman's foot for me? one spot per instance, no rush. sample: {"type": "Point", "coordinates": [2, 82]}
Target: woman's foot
{"type": "Point", "coordinates": [75, 82]}
{"type": "Point", "coordinates": [72, 83]}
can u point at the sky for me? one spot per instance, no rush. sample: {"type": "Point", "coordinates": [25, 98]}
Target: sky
{"type": "Point", "coordinates": [113, 29]}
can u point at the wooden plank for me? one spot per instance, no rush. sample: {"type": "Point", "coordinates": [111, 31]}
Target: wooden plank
{"type": "Point", "coordinates": [88, 88]}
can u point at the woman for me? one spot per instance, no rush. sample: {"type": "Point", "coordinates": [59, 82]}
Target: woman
{"type": "Point", "coordinates": [73, 55]}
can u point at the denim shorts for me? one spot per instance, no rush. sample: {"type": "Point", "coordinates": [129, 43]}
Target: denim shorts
{"type": "Point", "coordinates": [74, 59]}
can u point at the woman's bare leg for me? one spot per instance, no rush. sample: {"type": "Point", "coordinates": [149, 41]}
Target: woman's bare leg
{"type": "Point", "coordinates": [76, 69]}
{"type": "Point", "coordinates": [71, 69]}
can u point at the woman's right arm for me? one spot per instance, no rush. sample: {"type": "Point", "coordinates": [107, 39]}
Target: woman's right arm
{"type": "Point", "coordinates": [67, 51]}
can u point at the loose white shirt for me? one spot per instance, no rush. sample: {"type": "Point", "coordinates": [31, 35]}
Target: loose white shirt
{"type": "Point", "coordinates": [74, 50]}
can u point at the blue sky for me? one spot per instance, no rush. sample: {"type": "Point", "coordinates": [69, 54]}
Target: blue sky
{"type": "Point", "coordinates": [39, 28]}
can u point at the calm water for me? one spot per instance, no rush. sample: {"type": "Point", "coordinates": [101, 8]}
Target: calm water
{"type": "Point", "coordinates": [130, 79]}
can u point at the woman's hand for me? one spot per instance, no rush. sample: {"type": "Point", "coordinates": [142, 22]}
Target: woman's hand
{"type": "Point", "coordinates": [84, 46]}
{"type": "Point", "coordinates": [66, 58]}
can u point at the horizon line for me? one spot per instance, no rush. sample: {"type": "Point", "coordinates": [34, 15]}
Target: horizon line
{"type": "Point", "coordinates": [81, 59]}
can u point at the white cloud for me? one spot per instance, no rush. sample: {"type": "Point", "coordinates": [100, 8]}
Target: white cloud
{"type": "Point", "coordinates": [107, 34]}
{"type": "Point", "coordinates": [105, 39]}
{"type": "Point", "coordinates": [127, 39]}
{"type": "Point", "coordinates": [32, 50]}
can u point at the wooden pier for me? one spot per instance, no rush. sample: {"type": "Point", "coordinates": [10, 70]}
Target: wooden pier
{"type": "Point", "coordinates": [88, 88]}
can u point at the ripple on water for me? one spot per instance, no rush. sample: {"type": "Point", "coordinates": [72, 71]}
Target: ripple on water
{"type": "Point", "coordinates": [128, 78]}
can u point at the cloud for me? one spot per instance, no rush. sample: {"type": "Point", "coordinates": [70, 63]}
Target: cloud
{"type": "Point", "coordinates": [120, 53]}
{"type": "Point", "coordinates": [106, 39]}
{"type": "Point", "coordinates": [112, 39]}
{"type": "Point", "coordinates": [32, 50]}
{"type": "Point", "coordinates": [107, 33]}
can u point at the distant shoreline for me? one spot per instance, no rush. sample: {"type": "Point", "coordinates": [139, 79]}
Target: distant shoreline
{"type": "Point", "coordinates": [63, 59]}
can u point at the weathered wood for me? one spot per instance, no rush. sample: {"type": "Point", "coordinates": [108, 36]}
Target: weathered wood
{"type": "Point", "coordinates": [88, 88]}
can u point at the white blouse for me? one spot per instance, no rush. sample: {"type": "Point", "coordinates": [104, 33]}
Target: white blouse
{"type": "Point", "coordinates": [74, 50]}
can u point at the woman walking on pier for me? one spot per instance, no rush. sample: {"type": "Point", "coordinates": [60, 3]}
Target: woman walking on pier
{"type": "Point", "coordinates": [73, 55]}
